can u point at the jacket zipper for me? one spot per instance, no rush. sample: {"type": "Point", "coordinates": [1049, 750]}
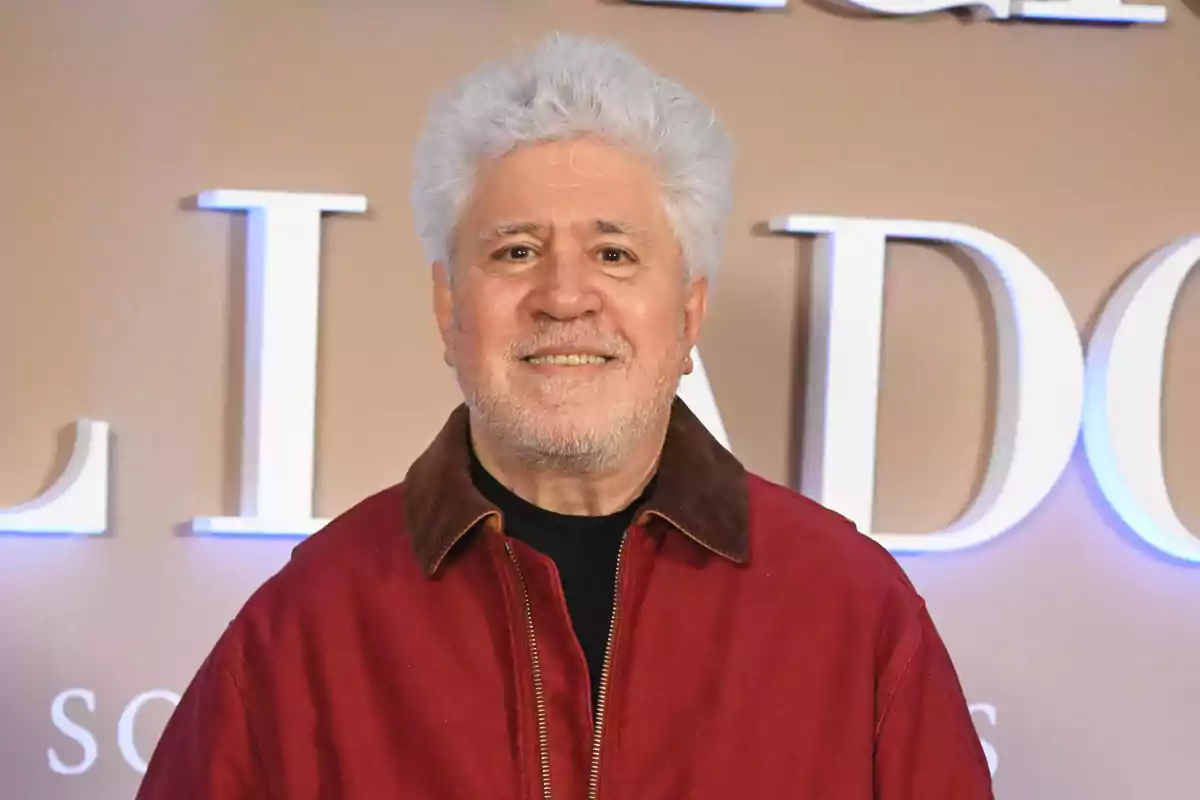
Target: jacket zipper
{"type": "Point", "coordinates": [598, 728]}
{"type": "Point", "coordinates": [538, 694]}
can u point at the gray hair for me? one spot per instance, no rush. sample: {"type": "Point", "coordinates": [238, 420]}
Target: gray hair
{"type": "Point", "coordinates": [568, 87]}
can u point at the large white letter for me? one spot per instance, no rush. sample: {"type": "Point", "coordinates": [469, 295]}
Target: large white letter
{"type": "Point", "coordinates": [283, 245]}
{"type": "Point", "coordinates": [1089, 11]}
{"type": "Point", "coordinates": [1059, 10]}
{"type": "Point", "coordinates": [1040, 376]}
{"type": "Point", "coordinates": [985, 9]}
{"type": "Point", "coordinates": [125, 725]}
{"type": "Point", "coordinates": [58, 715]}
{"type": "Point", "coordinates": [1122, 429]}
{"type": "Point", "coordinates": [77, 501]}
{"type": "Point", "coordinates": [989, 750]}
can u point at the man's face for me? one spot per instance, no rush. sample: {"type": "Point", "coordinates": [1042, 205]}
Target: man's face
{"type": "Point", "coordinates": [568, 315]}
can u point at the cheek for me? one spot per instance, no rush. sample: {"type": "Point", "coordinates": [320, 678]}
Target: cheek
{"type": "Point", "coordinates": [655, 329]}
{"type": "Point", "coordinates": [484, 328]}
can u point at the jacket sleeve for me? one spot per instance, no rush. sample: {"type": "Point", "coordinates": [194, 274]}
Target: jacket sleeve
{"type": "Point", "coordinates": [926, 747]}
{"type": "Point", "coordinates": [207, 750]}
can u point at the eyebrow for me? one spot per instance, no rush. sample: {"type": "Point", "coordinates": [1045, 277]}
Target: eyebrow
{"type": "Point", "coordinates": [605, 226]}
{"type": "Point", "coordinates": [512, 229]}
{"type": "Point", "coordinates": [620, 228]}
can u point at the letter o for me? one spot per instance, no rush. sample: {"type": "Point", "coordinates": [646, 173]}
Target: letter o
{"type": "Point", "coordinates": [128, 719]}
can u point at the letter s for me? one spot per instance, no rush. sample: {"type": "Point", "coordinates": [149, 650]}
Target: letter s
{"type": "Point", "coordinates": [80, 734]}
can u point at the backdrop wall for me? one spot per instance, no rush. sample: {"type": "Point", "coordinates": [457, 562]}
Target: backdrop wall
{"type": "Point", "coordinates": [120, 301]}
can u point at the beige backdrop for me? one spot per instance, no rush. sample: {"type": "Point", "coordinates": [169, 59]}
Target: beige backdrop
{"type": "Point", "coordinates": [1078, 144]}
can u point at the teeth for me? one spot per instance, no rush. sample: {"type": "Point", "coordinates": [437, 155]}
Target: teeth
{"type": "Point", "coordinates": [572, 360]}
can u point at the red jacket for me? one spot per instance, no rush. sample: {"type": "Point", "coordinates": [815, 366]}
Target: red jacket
{"type": "Point", "coordinates": [761, 648]}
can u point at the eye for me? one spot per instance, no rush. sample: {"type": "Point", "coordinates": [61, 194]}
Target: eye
{"type": "Point", "coordinates": [514, 252]}
{"type": "Point", "coordinates": [616, 255]}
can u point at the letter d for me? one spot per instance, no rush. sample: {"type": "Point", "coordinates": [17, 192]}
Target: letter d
{"type": "Point", "coordinates": [1040, 376]}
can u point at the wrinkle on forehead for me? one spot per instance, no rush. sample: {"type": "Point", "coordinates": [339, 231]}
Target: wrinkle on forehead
{"type": "Point", "coordinates": [582, 153]}
{"type": "Point", "coordinates": [567, 184]}
{"type": "Point", "coordinates": [573, 162]}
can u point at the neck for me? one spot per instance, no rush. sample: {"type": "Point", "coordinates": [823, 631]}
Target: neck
{"type": "Point", "coordinates": [563, 488]}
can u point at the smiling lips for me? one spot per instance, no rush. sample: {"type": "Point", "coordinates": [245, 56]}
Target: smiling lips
{"type": "Point", "coordinates": [567, 359]}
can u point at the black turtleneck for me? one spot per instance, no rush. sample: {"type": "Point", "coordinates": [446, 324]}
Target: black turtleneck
{"type": "Point", "coordinates": [583, 549]}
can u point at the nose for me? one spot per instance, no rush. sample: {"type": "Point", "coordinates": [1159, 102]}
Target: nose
{"type": "Point", "coordinates": [565, 287]}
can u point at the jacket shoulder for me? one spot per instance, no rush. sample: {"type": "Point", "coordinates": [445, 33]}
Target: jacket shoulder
{"type": "Point", "coordinates": [355, 554]}
{"type": "Point", "coordinates": [790, 531]}
{"type": "Point", "coordinates": [370, 533]}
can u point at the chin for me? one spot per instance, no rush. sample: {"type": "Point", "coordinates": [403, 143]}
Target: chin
{"type": "Point", "coordinates": [573, 421]}
{"type": "Point", "coordinates": [578, 450]}
{"type": "Point", "coordinates": [588, 425]}
{"type": "Point", "coordinates": [577, 437]}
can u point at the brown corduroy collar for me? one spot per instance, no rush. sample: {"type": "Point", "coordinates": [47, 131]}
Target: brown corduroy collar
{"type": "Point", "coordinates": [700, 491]}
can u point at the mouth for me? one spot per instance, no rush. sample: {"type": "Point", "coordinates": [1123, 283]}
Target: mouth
{"type": "Point", "coordinates": [567, 359]}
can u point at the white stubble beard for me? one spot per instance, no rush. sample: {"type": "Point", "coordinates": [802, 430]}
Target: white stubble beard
{"type": "Point", "coordinates": [521, 424]}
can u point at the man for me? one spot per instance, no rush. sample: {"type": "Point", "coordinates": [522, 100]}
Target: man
{"type": "Point", "coordinates": [576, 591]}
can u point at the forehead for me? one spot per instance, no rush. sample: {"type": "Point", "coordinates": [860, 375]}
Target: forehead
{"type": "Point", "coordinates": [567, 182]}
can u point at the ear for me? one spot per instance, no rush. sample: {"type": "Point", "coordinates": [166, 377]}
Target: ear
{"type": "Point", "coordinates": [695, 306]}
{"type": "Point", "coordinates": [443, 307]}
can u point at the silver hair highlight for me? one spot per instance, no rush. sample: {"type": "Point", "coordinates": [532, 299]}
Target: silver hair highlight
{"type": "Point", "coordinates": [572, 87]}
